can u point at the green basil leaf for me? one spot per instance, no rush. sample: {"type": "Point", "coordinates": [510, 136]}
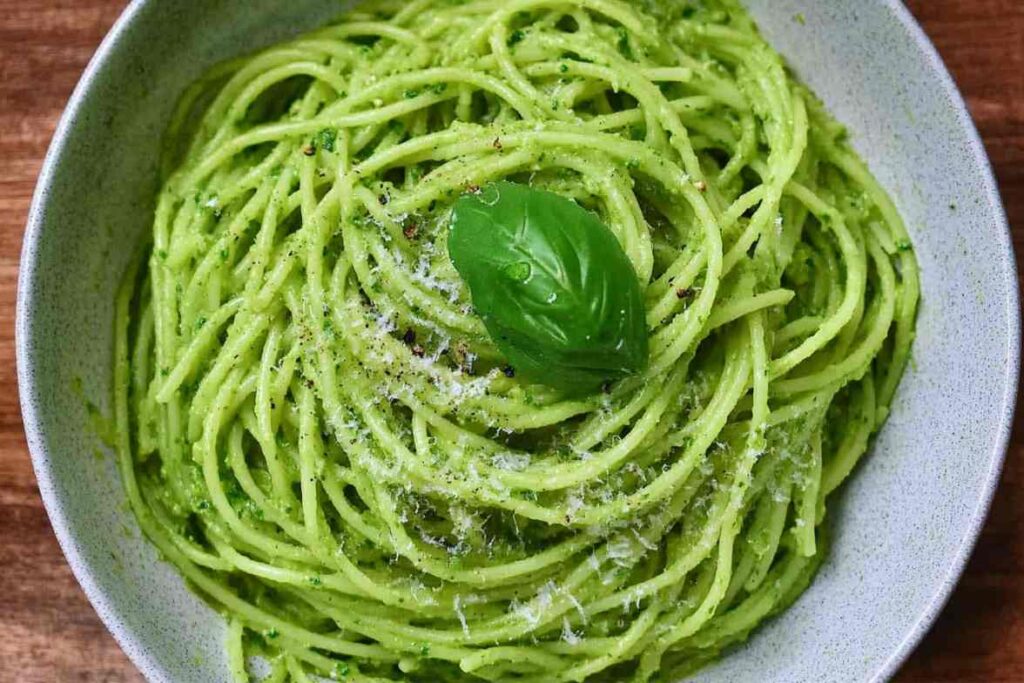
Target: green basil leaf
{"type": "Point", "coordinates": [553, 286]}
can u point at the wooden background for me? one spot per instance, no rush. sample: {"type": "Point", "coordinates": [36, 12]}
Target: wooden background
{"type": "Point", "coordinates": [48, 631]}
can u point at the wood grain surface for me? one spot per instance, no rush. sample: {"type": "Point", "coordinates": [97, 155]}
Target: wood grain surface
{"type": "Point", "coordinates": [48, 631]}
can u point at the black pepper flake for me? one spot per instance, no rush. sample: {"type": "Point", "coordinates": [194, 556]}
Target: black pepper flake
{"type": "Point", "coordinates": [460, 354]}
{"type": "Point", "coordinates": [411, 230]}
{"type": "Point", "coordinates": [309, 150]}
{"type": "Point", "coordinates": [384, 199]}
{"type": "Point", "coordinates": [410, 336]}
{"type": "Point", "coordinates": [509, 371]}
{"type": "Point", "coordinates": [683, 293]}
{"type": "Point", "coordinates": [418, 351]}
{"type": "Point", "coordinates": [473, 189]}
{"type": "Point", "coordinates": [497, 144]}
{"type": "Point", "coordinates": [701, 186]}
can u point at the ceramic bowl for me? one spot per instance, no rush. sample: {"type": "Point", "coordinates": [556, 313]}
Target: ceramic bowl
{"type": "Point", "coordinates": [905, 524]}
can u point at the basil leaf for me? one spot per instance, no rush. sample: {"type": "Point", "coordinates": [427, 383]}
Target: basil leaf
{"type": "Point", "coordinates": [556, 292]}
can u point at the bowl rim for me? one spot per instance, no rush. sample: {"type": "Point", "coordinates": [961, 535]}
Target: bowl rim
{"type": "Point", "coordinates": [112, 619]}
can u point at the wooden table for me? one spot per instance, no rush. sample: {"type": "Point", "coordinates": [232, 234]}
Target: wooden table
{"type": "Point", "coordinates": [48, 631]}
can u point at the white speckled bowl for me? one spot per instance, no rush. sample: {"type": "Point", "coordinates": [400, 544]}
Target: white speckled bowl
{"type": "Point", "coordinates": [905, 524]}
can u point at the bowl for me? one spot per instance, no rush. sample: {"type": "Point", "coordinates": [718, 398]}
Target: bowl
{"type": "Point", "coordinates": [905, 524]}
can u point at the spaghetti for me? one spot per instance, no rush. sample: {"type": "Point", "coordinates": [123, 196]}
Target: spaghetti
{"type": "Point", "coordinates": [317, 432]}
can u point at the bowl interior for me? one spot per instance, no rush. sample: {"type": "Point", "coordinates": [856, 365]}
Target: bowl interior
{"type": "Point", "coordinates": [903, 526]}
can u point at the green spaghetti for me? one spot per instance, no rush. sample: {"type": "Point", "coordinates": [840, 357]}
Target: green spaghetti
{"type": "Point", "coordinates": [319, 430]}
